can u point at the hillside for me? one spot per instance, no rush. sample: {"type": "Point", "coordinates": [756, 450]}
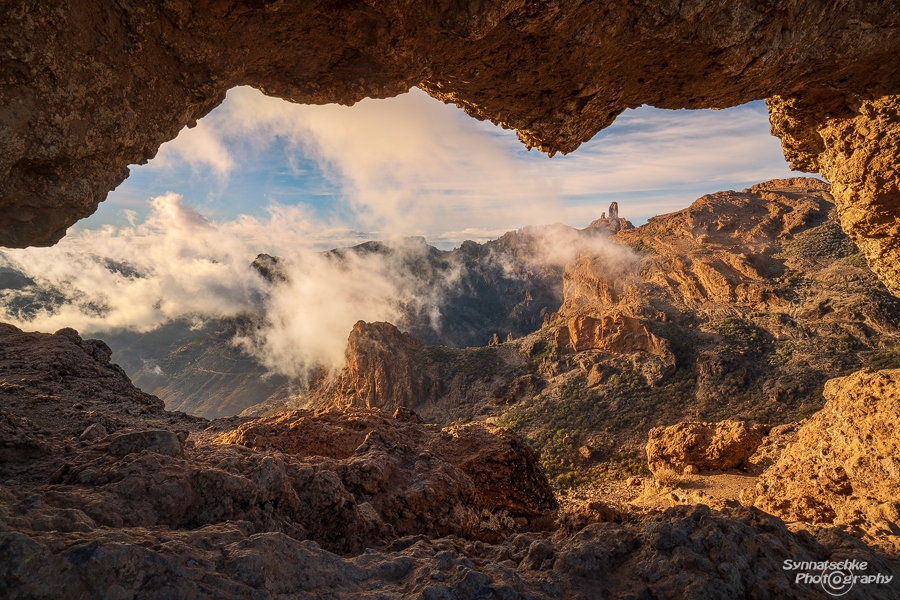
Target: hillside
{"type": "Point", "coordinates": [741, 305]}
{"type": "Point", "coordinates": [462, 297]}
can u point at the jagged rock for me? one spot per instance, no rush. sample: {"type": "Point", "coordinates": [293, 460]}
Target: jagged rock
{"type": "Point", "coordinates": [619, 334]}
{"type": "Point", "coordinates": [613, 223]}
{"type": "Point", "coordinates": [18, 439]}
{"type": "Point", "coordinates": [159, 441]}
{"type": "Point", "coordinates": [92, 100]}
{"type": "Point", "coordinates": [502, 468]}
{"type": "Point", "coordinates": [685, 553]}
{"type": "Point", "coordinates": [383, 368]}
{"type": "Point", "coordinates": [845, 463]}
{"type": "Point", "coordinates": [773, 444]}
{"type": "Point", "coordinates": [721, 248]}
{"type": "Point", "coordinates": [706, 446]}
{"type": "Point", "coordinates": [406, 415]}
{"type": "Point", "coordinates": [388, 369]}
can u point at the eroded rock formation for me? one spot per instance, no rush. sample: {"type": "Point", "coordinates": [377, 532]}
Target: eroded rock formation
{"type": "Point", "coordinates": [844, 465]}
{"type": "Point", "coordinates": [91, 87]}
{"type": "Point", "coordinates": [706, 446]}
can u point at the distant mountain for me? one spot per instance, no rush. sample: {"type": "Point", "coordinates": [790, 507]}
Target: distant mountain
{"type": "Point", "coordinates": [507, 286]}
{"type": "Point", "coordinates": [742, 304]}
{"type": "Point", "coordinates": [197, 369]}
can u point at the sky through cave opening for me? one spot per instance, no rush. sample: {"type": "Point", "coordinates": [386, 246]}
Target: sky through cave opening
{"type": "Point", "coordinates": [413, 166]}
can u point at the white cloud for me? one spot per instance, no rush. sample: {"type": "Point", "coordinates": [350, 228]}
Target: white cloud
{"type": "Point", "coordinates": [411, 165]}
{"type": "Point", "coordinates": [178, 264]}
{"type": "Point", "coordinates": [199, 147]}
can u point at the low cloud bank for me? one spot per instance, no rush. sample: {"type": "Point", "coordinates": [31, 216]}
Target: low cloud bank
{"type": "Point", "coordinates": [177, 264]}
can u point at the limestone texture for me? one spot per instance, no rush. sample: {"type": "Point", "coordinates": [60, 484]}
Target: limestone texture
{"type": "Point", "coordinates": [91, 87]}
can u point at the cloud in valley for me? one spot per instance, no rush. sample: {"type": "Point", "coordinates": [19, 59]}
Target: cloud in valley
{"type": "Point", "coordinates": [260, 175]}
{"type": "Point", "coordinates": [178, 264]}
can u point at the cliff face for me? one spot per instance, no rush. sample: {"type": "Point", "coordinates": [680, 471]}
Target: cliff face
{"type": "Point", "coordinates": [90, 88]}
{"type": "Point", "coordinates": [384, 368]}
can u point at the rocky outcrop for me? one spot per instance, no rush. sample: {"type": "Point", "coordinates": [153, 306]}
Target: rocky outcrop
{"type": "Point", "coordinates": [616, 333]}
{"type": "Point", "coordinates": [388, 369]}
{"type": "Point", "coordinates": [383, 368]}
{"type": "Point", "coordinates": [723, 247]}
{"type": "Point", "coordinates": [685, 553]}
{"type": "Point", "coordinates": [856, 146]}
{"type": "Point", "coordinates": [90, 87]}
{"type": "Point", "coordinates": [619, 334]}
{"type": "Point", "coordinates": [613, 223]}
{"type": "Point", "coordinates": [844, 465]}
{"type": "Point", "coordinates": [704, 446]}
{"type": "Point", "coordinates": [493, 464]}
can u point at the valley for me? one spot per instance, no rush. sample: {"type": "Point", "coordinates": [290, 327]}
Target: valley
{"type": "Point", "coordinates": [661, 386]}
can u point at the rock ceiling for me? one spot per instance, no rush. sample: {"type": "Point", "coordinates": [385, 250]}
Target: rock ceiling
{"type": "Point", "coordinates": [92, 86]}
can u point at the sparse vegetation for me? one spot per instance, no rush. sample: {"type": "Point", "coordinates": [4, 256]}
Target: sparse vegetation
{"type": "Point", "coordinates": [498, 522]}
{"type": "Point", "coordinates": [889, 359]}
{"type": "Point", "coordinates": [668, 477]}
{"type": "Point", "coordinates": [827, 240]}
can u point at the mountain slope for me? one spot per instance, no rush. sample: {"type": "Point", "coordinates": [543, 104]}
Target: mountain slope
{"type": "Point", "coordinates": [742, 304]}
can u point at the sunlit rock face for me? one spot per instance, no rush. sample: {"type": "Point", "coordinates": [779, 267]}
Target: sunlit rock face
{"type": "Point", "coordinates": [860, 155]}
{"type": "Point", "coordinates": [91, 87]}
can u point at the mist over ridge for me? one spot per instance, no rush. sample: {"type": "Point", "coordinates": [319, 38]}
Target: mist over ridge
{"type": "Point", "coordinates": [177, 266]}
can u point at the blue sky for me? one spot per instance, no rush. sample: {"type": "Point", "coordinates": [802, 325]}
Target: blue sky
{"type": "Point", "coordinates": [261, 175]}
{"type": "Point", "coordinates": [411, 165]}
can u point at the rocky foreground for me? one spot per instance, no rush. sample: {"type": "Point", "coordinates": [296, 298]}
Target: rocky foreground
{"type": "Point", "coordinates": [105, 494]}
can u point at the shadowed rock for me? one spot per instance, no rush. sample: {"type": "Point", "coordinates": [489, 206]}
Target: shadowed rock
{"type": "Point", "coordinates": [91, 87]}
{"type": "Point", "coordinates": [158, 441]}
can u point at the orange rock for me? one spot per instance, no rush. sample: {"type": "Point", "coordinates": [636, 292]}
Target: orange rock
{"type": "Point", "coordinates": [706, 446]}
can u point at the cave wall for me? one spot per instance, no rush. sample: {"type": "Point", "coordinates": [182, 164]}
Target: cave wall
{"type": "Point", "coordinates": [88, 87]}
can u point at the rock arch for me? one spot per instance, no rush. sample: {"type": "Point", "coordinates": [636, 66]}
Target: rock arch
{"type": "Point", "coordinates": [92, 86]}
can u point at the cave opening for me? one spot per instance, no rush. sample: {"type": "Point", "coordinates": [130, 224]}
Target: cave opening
{"type": "Point", "coordinates": [477, 401]}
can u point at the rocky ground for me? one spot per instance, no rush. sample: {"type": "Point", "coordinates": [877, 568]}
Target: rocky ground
{"type": "Point", "coordinates": [105, 494]}
{"type": "Point", "coordinates": [675, 398]}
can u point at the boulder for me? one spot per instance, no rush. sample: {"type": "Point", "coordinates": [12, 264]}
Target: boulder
{"type": "Point", "coordinates": [706, 446]}
{"type": "Point", "coordinates": [160, 441]}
